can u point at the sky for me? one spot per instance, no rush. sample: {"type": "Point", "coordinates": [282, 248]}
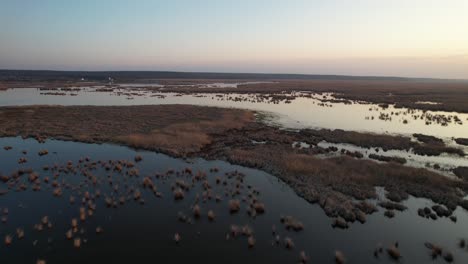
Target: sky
{"type": "Point", "coordinates": [411, 38]}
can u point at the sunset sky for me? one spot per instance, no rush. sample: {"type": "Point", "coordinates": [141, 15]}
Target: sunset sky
{"type": "Point", "coordinates": [416, 38]}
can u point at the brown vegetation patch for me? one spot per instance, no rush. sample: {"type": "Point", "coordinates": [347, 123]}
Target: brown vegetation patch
{"type": "Point", "coordinates": [428, 139]}
{"type": "Point", "coordinates": [174, 129]}
{"type": "Point", "coordinates": [462, 141]}
{"type": "Point", "coordinates": [365, 140]}
{"type": "Point", "coordinates": [461, 172]}
{"type": "Point", "coordinates": [335, 182]}
{"type": "Point", "coordinates": [388, 159]}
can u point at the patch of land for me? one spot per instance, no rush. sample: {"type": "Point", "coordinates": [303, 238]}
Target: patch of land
{"type": "Point", "coordinates": [462, 141]}
{"type": "Point", "coordinates": [172, 129]}
{"type": "Point", "coordinates": [386, 142]}
{"type": "Point", "coordinates": [338, 184]}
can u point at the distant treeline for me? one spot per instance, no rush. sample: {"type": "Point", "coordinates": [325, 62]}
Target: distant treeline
{"type": "Point", "coordinates": [43, 75]}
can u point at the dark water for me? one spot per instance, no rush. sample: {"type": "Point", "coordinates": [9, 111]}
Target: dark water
{"type": "Point", "coordinates": [136, 233]}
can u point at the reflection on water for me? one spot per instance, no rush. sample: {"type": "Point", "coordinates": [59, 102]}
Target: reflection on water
{"type": "Point", "coordinates": [444, 163]}
{"type": "Point", "coordinates": [196, 85]}
{"type": "Point", "coordinates": [136, 232]}
{"type": "Point", "coordinates": [302, 112]}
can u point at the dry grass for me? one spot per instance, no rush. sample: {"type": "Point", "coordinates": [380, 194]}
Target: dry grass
{"type": "Point", "coordinates": [174, 129]}
{"type": "Point", "coordinates": [183, 137]}
{"type": "Point", "coordinates": [342, 169]}
{"type": "Point", "coordinates": [334, 182]}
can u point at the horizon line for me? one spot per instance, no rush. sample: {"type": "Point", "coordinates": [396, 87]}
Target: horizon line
{"type": "Point", "coordinates": [243, 73]}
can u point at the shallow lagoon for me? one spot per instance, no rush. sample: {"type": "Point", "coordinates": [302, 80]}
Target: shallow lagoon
{"type": "Point", "coordinates": [302, 112]}
{"type": "Point", "coordinates": [445, 161]}
{"type": "Point", "coordinates": [144, 233]}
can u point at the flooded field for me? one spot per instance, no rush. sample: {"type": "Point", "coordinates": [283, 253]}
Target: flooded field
{"type": "Point", "coordinates": [90, 203]}
{"type": "Point", "coordinates": [297, 111]}
{"type": "Point", "coordinates": [76, 202]}
{"type": "Point", "coordinates": [444, 163]}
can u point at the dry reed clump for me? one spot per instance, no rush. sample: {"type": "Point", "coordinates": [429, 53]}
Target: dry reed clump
{"type": "Point", "coordinates": [196, 211]}
{"type": "Point", "coordinates": [389, 213]}
{"type": "Point", "coordinates": [394, 252]}
{"type": "Point", "coordinates": [211, 215]}
{"type": "Point", "coordinates": [339, 257]}
{"type": "Point", "coordinates": [69, 234]}
{"type": "Point", "coordinates": [291, 223]}
{"type": "Point", "coordinates": [339, 223]}
{"type": "Point", "coordinates": [179, 194]}
{"type": "Point", "coordinates": [234, 206]}
{"type": "Point", "coordinates": [77, 242]}
{"type": "Point", "coordinates": [43, 152]}
{"type": "Point", "coordinates": [436, 250]}
{"type": "Point", "coordinates": [462, 243]}
{"type": "Point", "coordinates": [448, 257]}
{"type": "Point", "coordinates": [303, 258]}
{"type": "Point", "coordinates": [428, 139]}
{"type": "Point", "coordinates": [20, 233]}
{"type": "Point", "coordinates": [388, 159]}
{"type": "Point", "coordinates": [392, 206]}
{"type": "Point", "coordinates": [251, 241]}
{"type": "Point", "coordinates": [259, 207]}
{"type": "Point", "coordinates": [234, 230]}
{"type": "Point", "coordinates": [288, 243]}
{"type": "Point", "coordinates": [462, 141]}
{"type": "Point", "coordinates": [177, 238]}
{"type": "Point", "coordinates": [8, 239]}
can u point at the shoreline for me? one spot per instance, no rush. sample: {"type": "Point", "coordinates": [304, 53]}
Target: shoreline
{"type": "Point", "coordinates": [338, 184]}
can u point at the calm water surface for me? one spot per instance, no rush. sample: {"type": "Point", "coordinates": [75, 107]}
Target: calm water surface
{"type": "Point", "coordinates": [299, 113]}
{"type": "Point", "coordinates": [136, 233]}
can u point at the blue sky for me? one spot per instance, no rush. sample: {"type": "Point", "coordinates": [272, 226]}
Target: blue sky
{"type": "Point", "coordinates": [426, 38]}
